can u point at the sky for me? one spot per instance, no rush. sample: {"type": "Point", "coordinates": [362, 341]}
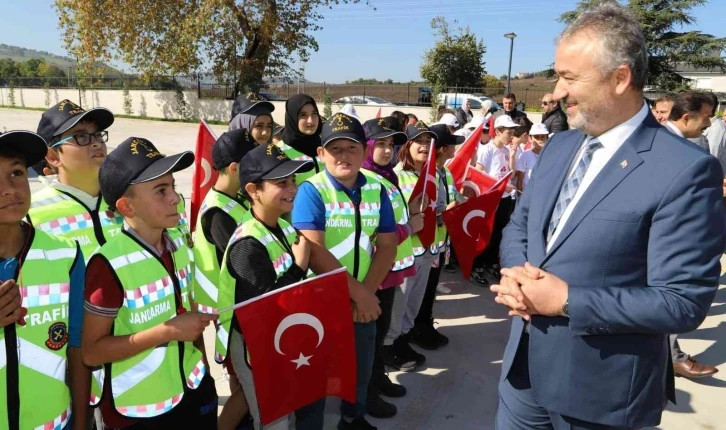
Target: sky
{"type": "Point", "coordinates": [388, 43]}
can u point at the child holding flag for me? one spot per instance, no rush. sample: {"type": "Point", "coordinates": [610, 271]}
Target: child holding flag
{"type": "Point", "coordinates": [265, 253]}
{"type": "Point", "coordinates": [41, 290]}
{"type": "Point", "coordinates": [221, 212]}
{"type": "Point", "coordinates": [344, 213]}
{"type": "Point", "coordinates": [382, 139]}
{"type": "Point", "coordinates": [140, 323]}
{"type": "Point", "coordinates": [424, 334]}
{"type": "Point", "coordinates": [397, 351]}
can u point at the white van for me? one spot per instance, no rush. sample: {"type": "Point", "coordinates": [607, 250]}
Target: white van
{"type": "Point", "coordinates": [457, 100]}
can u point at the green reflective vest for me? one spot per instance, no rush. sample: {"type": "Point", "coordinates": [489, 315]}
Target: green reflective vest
{"type": "Point", "coordinates": [281, 260]}
{"type": "Point", "coordinates": [407, 181]}
{"type": "Point", "coordinates": [442, 235]}
{"type": "Point", "coordinates": [152, 382]}
{"type": "Point", "coordinates": [296, 155]}
{"type": "Point", "coordinates": [350, 228]}
{"type": "Point", "coordinates": [59, 213]}
{"type": "Point", "coordinates": [206, 270]}
{"type": "Point", "coordinates": [404, 251]}
{"type": "Point", "coordinates": [40, 345]}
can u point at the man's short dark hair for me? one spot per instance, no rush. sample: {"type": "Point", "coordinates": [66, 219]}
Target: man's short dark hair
{"type": "Point", "coordinates": [714, 100]}
{"type": "Point", "coordinates": [412, 117]}
{"type": "Point", "coordinates": [689, 102]}
{"type": "Point", "coordinates": [667, 97]}
{"type": "Point", "coordinates": [510, 96]}
{"type": "Point", "coordinates": [524, 125]}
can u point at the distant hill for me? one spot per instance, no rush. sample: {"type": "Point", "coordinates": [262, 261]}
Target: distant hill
{"type": "Point", "coordinates": [19, 54]}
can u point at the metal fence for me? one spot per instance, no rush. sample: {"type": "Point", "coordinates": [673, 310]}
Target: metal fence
{"type": "Point", "coordinates": [208, 87]}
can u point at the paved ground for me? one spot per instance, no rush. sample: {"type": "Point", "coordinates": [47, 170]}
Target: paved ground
{"type": "Point", "coordinates": [457, 389]}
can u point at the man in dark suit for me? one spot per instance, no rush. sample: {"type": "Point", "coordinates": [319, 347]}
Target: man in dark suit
{"type": "Point", "coordinates": [552, 117]}
{"type": "Point", "coordinates": [615, 244]}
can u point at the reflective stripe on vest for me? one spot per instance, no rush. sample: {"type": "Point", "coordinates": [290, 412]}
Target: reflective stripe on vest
{"type": "Point", "coordinates": [41, 352]}
{"type": "Point", "coordinates": [296, 155]}
{"type": "Point", "coordinates": [407, 181]}
{"type": "Point", "coordinates": [204, 288]}
{"type": "Point", "coordinates": [442, 234]}
{"type": "Point", "coordinates": [404, 251]}
{"type": "Point", "coordinates": [140, 385]}
{"type": "Point", "coordinates": [343, 225]}
{"type": "Point", "coordinates": [281, 259]}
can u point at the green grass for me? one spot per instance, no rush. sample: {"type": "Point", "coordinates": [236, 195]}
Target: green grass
{"type": "Point", "coordinates": [189, 121]}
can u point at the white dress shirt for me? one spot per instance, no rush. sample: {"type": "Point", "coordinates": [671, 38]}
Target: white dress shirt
{"type": "Point", "coordinates": [673, 129]}
{"type": "Point", "coordinates": [611, 141]}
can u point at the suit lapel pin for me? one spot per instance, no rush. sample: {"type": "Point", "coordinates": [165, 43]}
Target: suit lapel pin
{"type": "Point", "coordinates": [624, 164]}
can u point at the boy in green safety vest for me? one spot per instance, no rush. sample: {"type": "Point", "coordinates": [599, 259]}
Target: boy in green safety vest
{"type": "Point", "coordinates": [382, 141]}
{"type": "Point", "coordinates": [221, 212]}
{"type": "Point", "coordinates": [41, 306]}
{"type": "Point", "coordinates": [140, 324]}
{"type": "Point", "coordinates": [345, 214]}
{"type": "Point", "coordinates": [71, 204]}
{"type": "Point", "coordinates": [264, 254]}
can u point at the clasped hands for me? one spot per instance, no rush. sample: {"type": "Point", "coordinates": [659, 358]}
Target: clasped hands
{"type": "Point", "coordinates": [528, 291]}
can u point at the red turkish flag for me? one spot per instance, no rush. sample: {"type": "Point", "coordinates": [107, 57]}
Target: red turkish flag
{"type": "Point", "coordinates": [470, 224]}
{"type": "Point", "coordinates": [301, 344]}
{"type": "Point", "coordinates": [477, 182]}
{"type": "Point", "coordinates": [204, 175]}
{"type": "Point", "coordinates": [461, 162]}
{"type": "Point", "coordinates": [378, 115]}
{"type": "Point", "coordinates": [428, 185]}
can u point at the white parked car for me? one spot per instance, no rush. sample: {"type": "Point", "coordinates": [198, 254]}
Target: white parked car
{"type": "Point", "coordinates": [457, 100]}
{"type": "Point", "coordinates": [364, 100]}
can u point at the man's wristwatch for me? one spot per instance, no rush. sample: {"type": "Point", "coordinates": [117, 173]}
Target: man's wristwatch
{"type": "Point", "coordinates": [566, 309]}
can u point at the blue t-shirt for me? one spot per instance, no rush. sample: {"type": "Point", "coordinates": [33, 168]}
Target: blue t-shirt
{"type": "Point", "coordinates": [308, 212]}
{"type": "Point", "coordinates": [75, 299]}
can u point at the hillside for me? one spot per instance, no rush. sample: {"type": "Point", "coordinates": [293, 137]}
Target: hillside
{"type": "Point", "coordinates": [19, 54]}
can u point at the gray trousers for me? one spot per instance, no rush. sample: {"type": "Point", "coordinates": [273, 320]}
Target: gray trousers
{"type": "Point", "coordinates": [244, 374]}
{"type": "Point", "coordinates": [408, 299]}
{"type": "Point", "coordinates": [676, 353]}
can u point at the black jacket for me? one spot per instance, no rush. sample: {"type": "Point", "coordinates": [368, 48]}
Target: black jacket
{"type": "Point", "coordinates": [555, 120]}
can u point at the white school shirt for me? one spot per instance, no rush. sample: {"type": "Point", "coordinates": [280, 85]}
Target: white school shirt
{"type": "Point", "coordinates": [495, 161]}
{"type": "Point", "coordinates": [525, 163]}
{"type": "Point", "coordinates": [611, 141]}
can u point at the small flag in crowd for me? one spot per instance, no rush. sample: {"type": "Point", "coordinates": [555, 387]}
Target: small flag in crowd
{"type": "Point", "coordinates": [378, 115]}
{"type": "Point", "coordinates": [428, 186]}
{"type": "Point", "coordinates": [204, 175]}
{"type": "Point", "coordinates": [461, 162]}
{"type": "Point", "coordinates": [470, 224]}
{"type": "Point", "coordinates": [477, 183]}
{"type": "Point", "coordinates": [301, 344]}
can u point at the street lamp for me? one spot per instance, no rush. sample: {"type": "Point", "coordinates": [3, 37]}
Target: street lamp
{"type": "Point", "coordinates": [511, 37]}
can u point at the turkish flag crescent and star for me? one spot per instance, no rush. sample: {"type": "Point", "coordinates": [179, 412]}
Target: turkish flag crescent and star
{"type": "Point", "coordinates": [477, 182]}
{"type": "Point", "coordinates": [204, 175]}
{"type": "Point", "coordinates": [301, 344]}
{"type": "Point", "coordinates": [428, 185]}
{"type": "Point", "coordinates": [461, 162]}
{"type": "Point", "coordinates": [470, 224]}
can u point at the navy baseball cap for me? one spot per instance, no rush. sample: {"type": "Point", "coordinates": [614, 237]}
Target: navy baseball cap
{"type": "Point", "coordinates": [342, 126]}
{"type": "Point", "coordinates": [30, 145]}
{"type": "Point", "coordinates": [379, 128]}
{"type": "Point", "coordinates": [66, 114]}
{"type": "Point", "coordinates": [135, 161]}
{"type": "Point", "coordinates": [231, 146]}
{"type": "Point", "coordinates": [416, 130]}
{"type": "Point", "coordinates": [243, 104]}
{"type": "Point", "coordinates": [267, 162]}
{"type": "Point", "coordinates": [444, 136]}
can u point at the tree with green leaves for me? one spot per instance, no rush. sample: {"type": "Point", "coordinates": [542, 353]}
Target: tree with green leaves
{"type": "Point", "coordinates": [668, 49]}
{"type": "Point", "coordinates": [457, 59]}
{"type": "Point", "coordinates": [244, 40]}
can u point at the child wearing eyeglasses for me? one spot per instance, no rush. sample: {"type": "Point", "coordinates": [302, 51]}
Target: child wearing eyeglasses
{"type": "Point", "coordinates": [71, 204]}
